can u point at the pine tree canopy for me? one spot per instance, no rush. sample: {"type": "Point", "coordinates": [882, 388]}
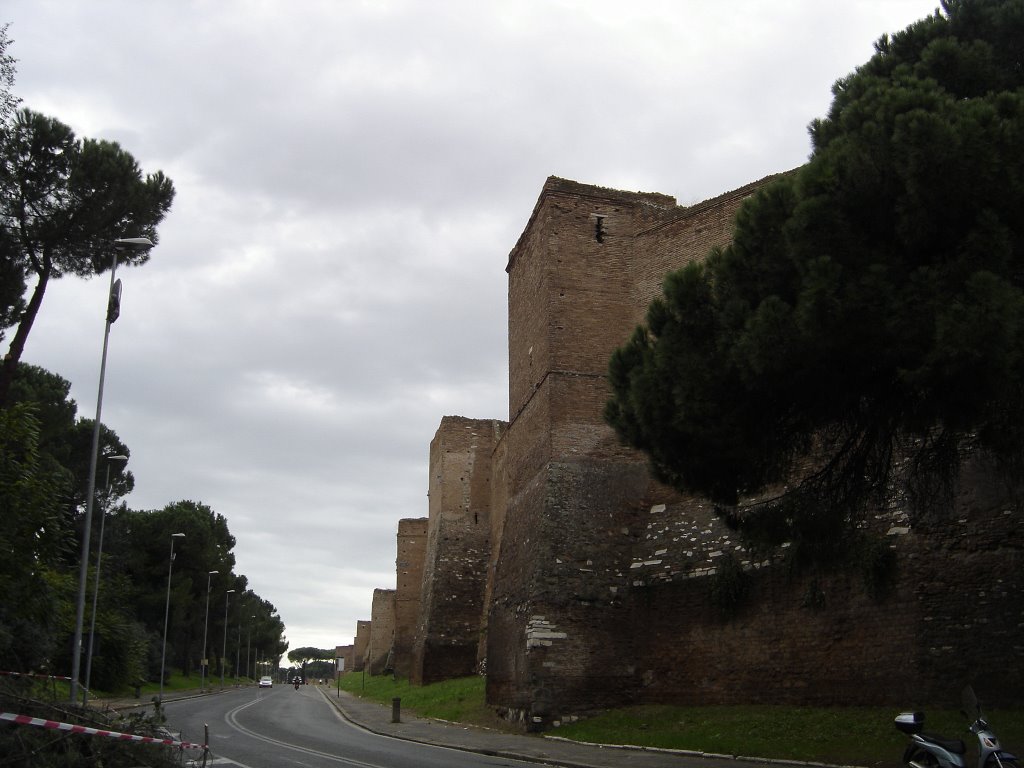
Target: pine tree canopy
{"type": "Point", "coordinates": [866, 324]}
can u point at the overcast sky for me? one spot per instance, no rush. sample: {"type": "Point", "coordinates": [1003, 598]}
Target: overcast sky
{"type": "Point", "coordinates": [351, 176]}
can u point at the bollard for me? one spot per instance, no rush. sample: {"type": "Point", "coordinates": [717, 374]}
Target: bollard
{"type": "Point", "coordinates": [396, 710]}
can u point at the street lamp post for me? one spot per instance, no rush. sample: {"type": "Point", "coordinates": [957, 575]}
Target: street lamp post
{"type": "Point", "coordinates": [206, 627]}
{"type": "Point", "coordinates": [238, 650]}
{"type": "Point", "coordinates": [113, 310]}
{"type": "Point", "coordinates": [96, 585]}
{"type": "Point", "coordinates": [224, 651]}
{"type": "Point", "coordinates": [248, 645]}
{"type": "Point", "coordinates": [167, 614]}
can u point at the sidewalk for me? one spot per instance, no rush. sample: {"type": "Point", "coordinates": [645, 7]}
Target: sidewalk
{"type": "Point", "coordinates": [548, 749]}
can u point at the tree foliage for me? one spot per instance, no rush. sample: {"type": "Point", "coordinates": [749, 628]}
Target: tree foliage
{"type": "Point", "coordinates": [44, 452]}
{"type": "Point", "coordinates": [302, 655]}
{"type": "Point", "coordinates": [868, 318]}
{"type": "Point", "coordinates": [8, 101]}
{"type": "Point", "coordinates": [30, 542]}
{"type": "Point", "coordinates": [12, 275]}
{"type": "Point", "coordinates": [63, 201]}
{"type": "Point", "coordinates": [44, 461]}
{"type": "Point", "coordinates": [65, 443]}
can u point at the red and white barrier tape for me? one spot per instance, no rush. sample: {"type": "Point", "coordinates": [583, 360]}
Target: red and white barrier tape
{"type": "Point", "coordinates": [33, 674]}
{"type": "Point", "coordinates": [71, 728]}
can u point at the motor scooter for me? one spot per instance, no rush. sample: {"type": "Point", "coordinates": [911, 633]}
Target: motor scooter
{"type": "Point", "coordinates": [928, 750]}
{"type": "Point", "coordinates": [296, 683]}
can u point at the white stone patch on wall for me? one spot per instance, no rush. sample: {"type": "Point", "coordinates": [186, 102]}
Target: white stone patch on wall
{"type": "Point", "coordinates": [540, 632]}
{"type": "Point", "coordinates": [682, 545]}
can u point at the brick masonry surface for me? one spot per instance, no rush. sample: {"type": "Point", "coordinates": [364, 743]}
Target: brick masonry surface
{"type": "Point", "coordinates": [345, 658]}
{"type": "Point", "coordinates": [409, 564]}
{"type": "Point", "coordinates": [603, 586]}
{"type": "Point", "coordinates": [382, 632]}
{"type": "Point", "coordinates": [458, 548]}
{"type": "Point", "coordinates": [362, 642]}
{"type": "Point", "coordinates": [552, 561]}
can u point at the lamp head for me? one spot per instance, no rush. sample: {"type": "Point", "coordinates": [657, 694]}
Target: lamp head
{"type": "Point", "coordinates": [133, 244]}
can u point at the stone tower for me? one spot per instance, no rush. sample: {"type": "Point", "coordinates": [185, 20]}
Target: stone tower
{"type": "Point", "coordinates": [458, 548]}
{"type": "Point", "coordinates": [580, 279]}
{"type": "Point", "coordinates": [412, 550]}
{"type": "Point", "coordinates": [382, 632]}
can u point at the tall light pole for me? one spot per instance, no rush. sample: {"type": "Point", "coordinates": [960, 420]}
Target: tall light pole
{"type": "Point", "coordinates": [224, 651]}
{"type": "Point", "coordinates": [113, 311]}
{"type": "Point", "coordinates": [167, 614]}
{"type": "Point", "coordinates": [238, 651]}
{"type": "Point", "coordinates": [96, 585]}
{"type": "Point", "coordinates": [206, 626]}
{"type": "Point", "coordinates": [248, 645]}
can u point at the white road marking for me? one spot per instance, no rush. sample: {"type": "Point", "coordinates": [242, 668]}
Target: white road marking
{"type": "Point", "coordinates": [231, 719]}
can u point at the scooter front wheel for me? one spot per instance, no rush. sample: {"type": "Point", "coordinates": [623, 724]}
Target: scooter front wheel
{"type": "Point", "coordinates": [1002, 762]}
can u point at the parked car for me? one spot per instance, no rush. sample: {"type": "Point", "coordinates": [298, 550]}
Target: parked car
{"type": "Point", "coordinates": [266, 682]}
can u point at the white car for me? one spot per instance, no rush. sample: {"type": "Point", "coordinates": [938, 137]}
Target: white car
{"type": "Point", "coordinates": [266, 682]}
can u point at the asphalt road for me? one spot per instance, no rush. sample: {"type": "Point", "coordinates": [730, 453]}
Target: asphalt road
{"type": "Point", "coordinates": [281, 727]}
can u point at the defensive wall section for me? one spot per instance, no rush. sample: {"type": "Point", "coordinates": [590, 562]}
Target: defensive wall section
{"type": "Point", "coordinates": [361, 644]}
{"type": "Point", "coordinates": [382, 631]}
{"type": "Point", "coordinates": [345, 657]}
{"type": "Point", "coordinates": [554, 563]}
{"type": "Point", "coordinates": [409, 564]}
{"type": "Point", "coordinates": [576, 497]}
{"type": "Point", "coordinates": [607, 587]}
{"type": "Point", "coordinates": [950, 614]}
{"type": "Point", "coordinates": [458, 548]}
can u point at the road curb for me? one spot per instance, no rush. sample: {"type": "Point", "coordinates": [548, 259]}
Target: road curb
{"type": "Point", "coordinates": [605, 750]}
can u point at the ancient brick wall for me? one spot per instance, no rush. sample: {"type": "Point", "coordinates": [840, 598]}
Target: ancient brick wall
{"type": "Point", "coordinates": [951, 616]}
{"type": "Point", "coordinates": [574, 493]}
{"type": "Point", "coordinates": [499, 507]}
{"type": "Point", "coordinates": [606, 588]}
{"type": "Point", "coordinates": [603, 587]}
{"type": "Point", "coordinates": [362, 642]}
{"type": "Point", "coordinates": [409, 563]}
{"type": "Point", "coordinates": [685, 236]}
{"type": "Point", "coordinates": [345, 658]}
{"type": "Point", "coordinates": [458, 549]}
{"type": "Point", "coordinates": [382, 631]}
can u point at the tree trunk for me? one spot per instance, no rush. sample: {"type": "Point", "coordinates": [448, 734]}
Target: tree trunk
{"type": "Point", "coordinates": [13, 357]}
